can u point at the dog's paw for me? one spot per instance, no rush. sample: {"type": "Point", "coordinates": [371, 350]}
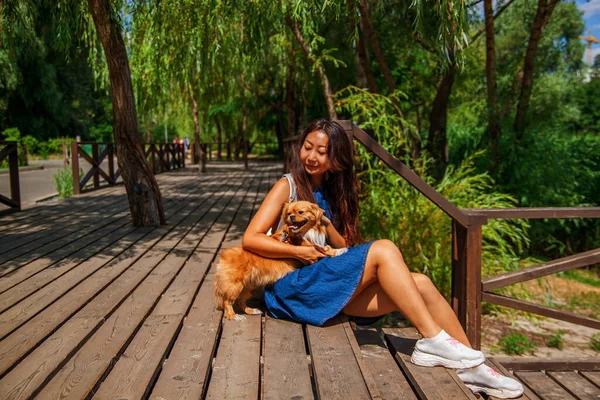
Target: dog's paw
{"type": "Point", "coordinates": [239, 318]}
{"type": "Point", "coordinates": [339, 252]}
{"type": "Point", "coordinates": [252, 311]}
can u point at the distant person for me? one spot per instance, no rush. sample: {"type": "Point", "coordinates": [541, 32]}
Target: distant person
{"type": "Point", "coordinates": [176, 140]}
{"type": "Point", "coordinates": [186, 145]}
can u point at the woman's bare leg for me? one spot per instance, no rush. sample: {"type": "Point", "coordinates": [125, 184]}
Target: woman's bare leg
{"type": "Point", "coordinates": [373, 301]}
{"type": "Point", "coordinates": [386, 267]}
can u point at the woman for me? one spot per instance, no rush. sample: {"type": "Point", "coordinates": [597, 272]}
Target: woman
{"type": "Point", "coordinates": [371, 279]}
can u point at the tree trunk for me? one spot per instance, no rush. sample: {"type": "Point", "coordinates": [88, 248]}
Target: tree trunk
{"type": "Point", "coordinates": [320, 70]}
{"type": "Point", "coordinates": [244, 125]}
{"type": "Point", "coordinates": [542, 16]}
{"type": "Point", "coordinates": [143, 193]}
{"type": "Point", "coordinates": [219, 138]}
{"type": "Point", "coordinates": [198, 150]}
{"type": "Point", "coordinates": [367, 24]}
{"type": "Point", "coordinates": [437, 144]}
{"type": "Point", "coordinates": [290, 100]}
{"type": "Point", "coordinates": [490, 68]}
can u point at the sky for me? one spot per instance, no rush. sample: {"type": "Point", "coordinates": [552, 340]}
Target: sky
{"type": "Point", "coordinates": [591, 17]}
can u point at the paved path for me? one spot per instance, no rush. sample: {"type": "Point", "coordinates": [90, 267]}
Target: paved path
{"type": "Point", "coordinates": [36, 184]}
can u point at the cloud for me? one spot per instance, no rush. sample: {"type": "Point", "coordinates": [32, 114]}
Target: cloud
{"type": "Point", "coordinates": [591, 8]}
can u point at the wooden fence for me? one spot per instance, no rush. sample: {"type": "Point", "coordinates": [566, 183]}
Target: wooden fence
{"type": "Point", "coordinates": [9, 150]}
{"type": "Point", "coordinates": [161, 157]}
{"type": "Point", "coordinates": [468, 288]}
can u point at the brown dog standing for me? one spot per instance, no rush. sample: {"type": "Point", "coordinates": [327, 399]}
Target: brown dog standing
{"type": "Point", "coordinates": [239, 271]}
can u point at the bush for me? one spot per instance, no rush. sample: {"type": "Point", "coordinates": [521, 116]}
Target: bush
{"type": "Point", "coordinates": [31, 144]}
{"type": "Point", "coordinates": [63, 180]}
{"type": "Point", "coordinates": [517, 344]}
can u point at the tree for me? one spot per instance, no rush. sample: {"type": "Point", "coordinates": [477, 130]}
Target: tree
{"type": "Point", "coordinates": [143, 193]}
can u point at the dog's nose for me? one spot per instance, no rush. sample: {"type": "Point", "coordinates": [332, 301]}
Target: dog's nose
{"type": "Point", "coordinates": [293, 218]}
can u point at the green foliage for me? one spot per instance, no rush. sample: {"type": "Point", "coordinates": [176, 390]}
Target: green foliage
{"type": "Point", "coordinates": [517, 344]}
{"type": "Point", "coordinates": [392, 209]}
{"type": "Point", "coordinates": [595, 342]}
{"type": "Point", "coordinates": [63, 180]}
{"type": "Point", "coordinates": [556, 340]}
{"type": "Point", "coordinates": [12, 135]}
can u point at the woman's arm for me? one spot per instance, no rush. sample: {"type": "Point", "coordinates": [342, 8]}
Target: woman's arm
{"type": "Point", "coordinates": [334, 238]}
{"type": "Point", "coordinates": [255, 238]}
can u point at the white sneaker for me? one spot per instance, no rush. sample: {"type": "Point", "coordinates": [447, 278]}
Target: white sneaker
{"type": "Point", "coordinates": [485, 379]}
{"type": "Point", "coordinates": [445, 351]}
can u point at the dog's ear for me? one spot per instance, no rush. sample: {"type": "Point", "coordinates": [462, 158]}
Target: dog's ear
{"type": "Point", "coordinates": [318, 213]}
{"type": "Point", "coordinates": [284, 210]}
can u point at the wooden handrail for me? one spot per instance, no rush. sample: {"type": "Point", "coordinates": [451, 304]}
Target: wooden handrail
{"type": "Point", "coordinates": [10, 151]}
{"type": "Point", "coordinates": [540, 310]}
{"type": "Point", "coordinates": [540, 270]}
{"type": "Point", "coordinates": [535, 212]}
{"type": "Point", "coordinates": [170, 156]}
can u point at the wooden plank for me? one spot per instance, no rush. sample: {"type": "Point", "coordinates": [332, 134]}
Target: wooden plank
{"type": "Point", "coordinates": [44, 294]}
{"type": "Point", "coordinates": [527, 393]}
{"type": "Point", "coordinates": [52, 246]}
{"type": "Point", "coordinates": [185, 372]}
{"type": "Point", "coordinates": [88, 259]}
{"type": "Point", "coordinates": [135, 308]}
{"type": "Point", "coordinates": [575, 384]}
{"type": "Point", "coordinates": [60, 255]}
{"type": "Point", "coordinates": [389, 379]}
{"type": "Point", "coordinates": [428, 382]}
{"type": "Point", "coordinates": [537, 271]}
{"type": "Point", "coordinates": [554, 364]}
{"type": "Point", "coordinates": [543, 386]}
{"type": "Point", "coordinates": [540, 310]}
{"type": "Point", "coordinates": [592, 376]}
{"type": "Point", "coordinates": [106, 289]}
{"type": "Point", "coordinates": [286, 370]}
{"type": "Point", "coordinates": [135, 369]}
{"type": "Point", "coordinates": [47, 230]}
{"type": "Point", "coordinates": [236, 369]}
{"type": "Point", "coordinates": [186, 369]}
{"type": "Point", "coordinates": [335, 370]}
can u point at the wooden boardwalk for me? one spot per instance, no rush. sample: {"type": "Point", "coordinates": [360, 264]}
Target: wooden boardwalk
{"type": "Point", "coordinates": [92, 307]}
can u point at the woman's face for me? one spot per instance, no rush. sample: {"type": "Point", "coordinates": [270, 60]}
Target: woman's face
{"type": "Point", "coordinates": [313, 154]}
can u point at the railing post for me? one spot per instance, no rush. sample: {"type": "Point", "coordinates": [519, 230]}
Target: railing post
{"type": "Point", "coordinates": [182, 156]}
{"type": "Point", "coordinates": [466, 279]}
{"type": "Point", "coordinates": [13, 167]}
{"type": "Point", "coordinates": [96, 158]}
{"type": "Point", "coordinates": [75, 167]}
{"type": "Point", "coordinates": [111, 162]}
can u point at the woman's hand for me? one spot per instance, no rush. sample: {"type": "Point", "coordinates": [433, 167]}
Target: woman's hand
{"type": "Point", "coordinates": [309, 254]}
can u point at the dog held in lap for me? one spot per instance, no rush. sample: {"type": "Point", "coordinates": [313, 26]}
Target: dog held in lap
{"type": "Point", "coordinates": [239, 271]}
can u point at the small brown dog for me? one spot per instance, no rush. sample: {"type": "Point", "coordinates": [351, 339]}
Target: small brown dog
{"type": "Point", "coordinates": [239, 271]}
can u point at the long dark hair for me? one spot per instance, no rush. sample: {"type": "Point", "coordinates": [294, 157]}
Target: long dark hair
{"type": "Point", "coordinates": [340, 186]}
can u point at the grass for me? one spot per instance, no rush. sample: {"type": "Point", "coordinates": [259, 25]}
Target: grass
{"type": "Point", "coordinates": [63, 180]}
{"type": "Point", "coordinates": [595, 342]}
{"type": "Point", "coordinates": [517, 344]}
{"type": "Point", "coordinates": [556, 340]}
{"type": "Point", "coordinates": [583, 276]}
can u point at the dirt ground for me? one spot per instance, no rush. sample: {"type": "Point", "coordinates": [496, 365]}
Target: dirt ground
{"type": "Point", "coordinates": [555, 292]}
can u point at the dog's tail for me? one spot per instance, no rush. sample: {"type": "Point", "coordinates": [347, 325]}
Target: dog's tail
{"type": "Point", "coordinates": [218, 292]}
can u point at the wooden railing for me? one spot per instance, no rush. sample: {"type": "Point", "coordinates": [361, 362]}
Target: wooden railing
{"type": "Point", "coordinates": [468, 289]}
{"type": "Point", "coordinates": [8, 150]}
{"type": "Point", "coordinates": [161, 157]}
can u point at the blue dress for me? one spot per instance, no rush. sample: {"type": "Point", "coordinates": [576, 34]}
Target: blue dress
{"type": "Point", "coordinates": [318, 292]}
